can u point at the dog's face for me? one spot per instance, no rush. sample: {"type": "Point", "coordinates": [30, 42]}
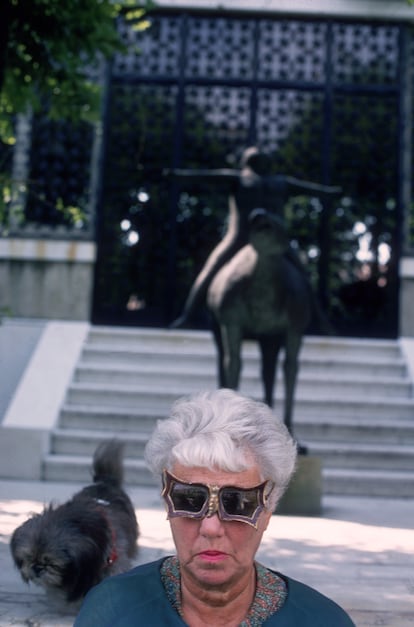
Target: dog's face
{"type": "Point", "coordinates": [35, 553]}
{"type": "Point", "coordinates": [64, 549]}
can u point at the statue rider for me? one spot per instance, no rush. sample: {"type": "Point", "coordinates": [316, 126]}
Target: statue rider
{"type": "Point", "coordinates": [250, 187]}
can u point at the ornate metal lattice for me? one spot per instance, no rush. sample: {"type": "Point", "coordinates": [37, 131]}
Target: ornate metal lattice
{"type": "Point", "coordinates": [290, 127]}
{"type": "Point", "coordinates": [320, 97]}
{"type": "Point", "coordinates": [365, 54]}
{"type": "Point", "coordinates": [59, 177]}
{"type": "Point", "coordinates": [155, 52]}
{"type": "Point", "coordinates": [292, 51]}
{"type": "Point", "coordinates": [216, 121]}
{"type": "Point", "coordinates": [219, 48]}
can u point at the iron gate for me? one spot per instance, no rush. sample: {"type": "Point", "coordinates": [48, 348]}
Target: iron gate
{"type": "Point", "coordinates": [322, 98]}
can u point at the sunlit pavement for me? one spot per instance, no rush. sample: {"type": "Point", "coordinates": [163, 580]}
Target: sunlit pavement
{"type": "Point", "coordinates": [360, 552]}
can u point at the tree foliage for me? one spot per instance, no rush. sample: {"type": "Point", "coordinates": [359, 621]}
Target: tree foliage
{"type": "Point", "coordinates": [49, 51]}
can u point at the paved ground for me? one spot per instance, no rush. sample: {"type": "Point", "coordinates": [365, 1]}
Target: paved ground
{"type": "Point", "coordinates": [360, 552]}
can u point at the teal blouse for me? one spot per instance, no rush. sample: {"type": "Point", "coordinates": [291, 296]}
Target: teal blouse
{"type": "Point", "coordinates": [138, 598]}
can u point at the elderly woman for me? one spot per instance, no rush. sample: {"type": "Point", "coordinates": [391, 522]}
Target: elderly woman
{"type": "Point", "coordinates": [225, 461]}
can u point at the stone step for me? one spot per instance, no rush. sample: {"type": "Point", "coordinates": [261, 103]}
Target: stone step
{"type": "Point", "coordinates": [327, 404]}
{"type": "Point", "coordinates": [189, 342]}
{"type": "Point", "coordinates": [169, 362]}
{"type": "Point", "coordinates": [357, 482]}
{"type": "Point", "coordinates": [84, 442]}
{"type": "Point", "coordinates": [109, 419]}
{"type": "Point", "coordinates": [335, 481]}
{"type": "Point", "coordinates": [203, 341]}
{"type": "Point", "coordinates": [309, 428]}
{"type": "Point", "coordinates": [77, 468]}
{"type": "Point", "coordinates": [186, 378]}
{"type": "Point", "coordinates": [378, 409]}
{"type": "Point", "coordinates": [195, 342]}
{"type": "Point", "coordinates": [355, 429]}
{"type": "Point", "coordinates": [394, 457]}
{"type": "Point", "coordinates": [333, 454]}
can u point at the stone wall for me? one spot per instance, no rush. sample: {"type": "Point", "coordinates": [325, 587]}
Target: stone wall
{"type": "Point", "coordinates": [48, 279]}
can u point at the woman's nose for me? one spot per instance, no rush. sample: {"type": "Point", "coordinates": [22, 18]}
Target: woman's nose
{"type": "Point", "coordinates": [211, 526]}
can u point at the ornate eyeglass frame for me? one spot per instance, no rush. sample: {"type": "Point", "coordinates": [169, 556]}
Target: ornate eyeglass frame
{"type": "Point", "coordinates": [214, 501]}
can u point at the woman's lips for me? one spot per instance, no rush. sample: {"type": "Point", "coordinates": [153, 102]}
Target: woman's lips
{"type": "Point", "coordinates": [212, 556]}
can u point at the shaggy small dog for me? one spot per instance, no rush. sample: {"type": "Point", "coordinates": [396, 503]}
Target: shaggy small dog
{"type": "Point", "coordinates": [69, 548]}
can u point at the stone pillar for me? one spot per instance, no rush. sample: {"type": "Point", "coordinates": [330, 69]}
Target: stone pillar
{"type": "Point", "coordinates": [304, 494]}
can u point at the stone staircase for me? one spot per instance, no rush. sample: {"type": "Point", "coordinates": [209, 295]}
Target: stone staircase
{"type": "Point", "coordinates": [354, 404]}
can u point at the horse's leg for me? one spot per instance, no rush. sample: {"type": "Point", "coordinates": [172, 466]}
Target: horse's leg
{"type": "Point", "coordinates": [231, 338]}
{"type": "Point", "coordinates": [269, 348]}
{"type": "Point", "coordinates": [220, 353]}
{"type": "Point", "coordinates": [291, 367]}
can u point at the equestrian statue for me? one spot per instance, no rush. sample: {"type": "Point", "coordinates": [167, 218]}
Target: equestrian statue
{"type": "Point", "coordinates": [253, 282]}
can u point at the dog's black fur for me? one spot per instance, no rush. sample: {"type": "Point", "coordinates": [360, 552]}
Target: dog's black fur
{"type": "Point", "coordinates": [69, 548]}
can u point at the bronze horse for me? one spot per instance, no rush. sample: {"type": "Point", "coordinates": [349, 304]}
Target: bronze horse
{"type": "Point", "coordinates": [261, 294]}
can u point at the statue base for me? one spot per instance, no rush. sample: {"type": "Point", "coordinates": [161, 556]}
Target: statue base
{"type": "Point", "coordinates": [304, 494]}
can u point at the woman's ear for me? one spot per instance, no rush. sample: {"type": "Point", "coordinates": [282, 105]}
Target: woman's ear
{"type": "Point", "coordinates": [267, 514]}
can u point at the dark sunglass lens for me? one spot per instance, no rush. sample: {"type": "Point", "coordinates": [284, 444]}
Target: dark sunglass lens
{"type": "Point", "coordinates": [188, 498]}
{"type": "Point", "coordinates": [240, 502]}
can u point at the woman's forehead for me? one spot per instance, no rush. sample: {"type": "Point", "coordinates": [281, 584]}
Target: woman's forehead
{"type": "Point", "coordinates": [196, 474]}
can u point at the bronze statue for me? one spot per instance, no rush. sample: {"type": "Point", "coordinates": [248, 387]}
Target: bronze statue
{"type": "Point", "coordinates": [260, 294]}
{"type": "Point", "coordinates": [251, 186]}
